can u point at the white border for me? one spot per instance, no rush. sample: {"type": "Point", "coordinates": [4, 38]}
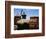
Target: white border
{"type": "Point", "coordinates": [25, 31]}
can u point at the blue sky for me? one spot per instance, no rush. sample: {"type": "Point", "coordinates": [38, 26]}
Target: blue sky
{"type": "Point", "coordinates": [28, 12]}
